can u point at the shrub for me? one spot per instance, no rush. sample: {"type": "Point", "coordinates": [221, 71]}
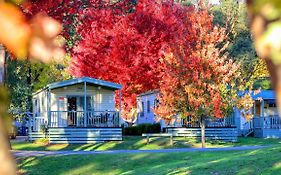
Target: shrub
{"type": "Point", "coordinates": [44, 128]}
{"type": "Point", "coordinates": [142, 128]}
{"type": "Point", "coordinates": [42, 141]}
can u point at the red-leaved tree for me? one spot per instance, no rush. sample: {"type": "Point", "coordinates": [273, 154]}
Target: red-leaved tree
{"type": "Point", "coordinates": [130, 42]}
{"type": "Point", "coordinates": [199, 78]}
{"type": "Point", "coordinates": [125, 47]}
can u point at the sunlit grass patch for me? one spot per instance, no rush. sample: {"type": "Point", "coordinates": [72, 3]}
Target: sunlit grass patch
{"type": "Point", "coordinates": [251, 162]}
{"type": "Point", "coordinates": [139, 143]}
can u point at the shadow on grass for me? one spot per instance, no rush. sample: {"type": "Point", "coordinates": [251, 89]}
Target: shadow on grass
{"type": "Point", "coordinates": [138, 142]}
{"type": "Point", "coordinates": [262, 161]}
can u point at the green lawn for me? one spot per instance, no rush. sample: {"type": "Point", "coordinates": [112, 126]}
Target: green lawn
{"type": "Point", "coordinates": [140, 143]}
{"type": "Point", "coordinates": [261, 161]}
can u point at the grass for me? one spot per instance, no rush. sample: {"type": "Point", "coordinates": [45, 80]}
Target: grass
{"type": "Point", "coordinates": [261, 161]}
{"type": "Point", "coordinates": [140, 143]}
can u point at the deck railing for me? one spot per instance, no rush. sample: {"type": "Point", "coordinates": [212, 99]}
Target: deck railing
{"type": "Point", "coordinates": [210, 122]}
{"type": "Point", "coordinates": [268, 122]}
{"type": "Point", "coordinates": [77, 119]}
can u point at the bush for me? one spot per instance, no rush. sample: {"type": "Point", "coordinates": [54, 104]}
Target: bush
{"type": "Point", "coordinates": [142, 128]}
{"type": "Point", "coordinates": [44, 128]}
{"type": "Point", "coordinates": [42, 141]}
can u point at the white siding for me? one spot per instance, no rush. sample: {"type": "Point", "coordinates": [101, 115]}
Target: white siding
{"type": "Point", "coordinates": [39, 109]}
{"type": "Point", "coordinates": [148, 115]}
{"type": "Point", "coordinates": [103, 99]}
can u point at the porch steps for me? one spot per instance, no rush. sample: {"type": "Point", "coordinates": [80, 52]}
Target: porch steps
{"type": "Point", "coordinates": [248, 132]}
{"type": "Point", "coordinates": [79, 135]}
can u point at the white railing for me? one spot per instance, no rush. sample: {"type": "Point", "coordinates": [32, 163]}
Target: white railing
{"type": "Point", "coordinates": [269, 122]}
{"type": "Point", "coordinates": [210, 122]}
{"type": "Point", "coordinates": [77, 119]}
{"type": "Point", "coordinates": [248, 125]}
{"type": "Point", "coordinates": [38, 122]}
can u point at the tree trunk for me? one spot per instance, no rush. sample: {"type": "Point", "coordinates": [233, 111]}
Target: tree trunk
{"type": "Point", "coordinates": [202, 125]}
{"type": "Point", "coordinates": [7, 165]}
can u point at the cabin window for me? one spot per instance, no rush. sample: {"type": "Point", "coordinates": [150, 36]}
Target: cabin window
{"type": "Point", "coordinates": [76, 103]}
{"type": "Point", "coordinates": [140, 108]}
{"type": "Point", "coordinates": [271, 105]}
{"type": "Point", "coordinates": [88, 103]}
{"type": "Point", "coordinates": [37, 107]}
{"type": "Point", "coordinates": [156, 103]}
{"type": "Point", "coordinates": [148, 106]}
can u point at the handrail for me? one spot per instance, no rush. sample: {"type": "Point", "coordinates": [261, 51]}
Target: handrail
{"type": "Point", "coordinates": [83, 111]}
{"type": "Point", "coordinates": [268, 122]}
{"type": "Point", "coordinates": [76, 119]}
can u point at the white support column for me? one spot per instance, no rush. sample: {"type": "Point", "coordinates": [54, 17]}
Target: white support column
{"type": "Point", "coordinates": [30, 116]}
{"type": "Point", "coordinates": [49, 107]}
{"type": "Point", "coordinates": [85, 103]}
{"type": "Point", "coordinates": [262, 114]}
{"type": "Point", "coordinates": [120, 107]}
{"type": "Point", "coordinates": [254, 112]}
{"type": "Point", "coordinates": [262, 108]}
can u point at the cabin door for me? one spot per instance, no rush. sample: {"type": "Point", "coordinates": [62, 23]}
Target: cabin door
{"type": "Point", "coordinates": [72, 111]}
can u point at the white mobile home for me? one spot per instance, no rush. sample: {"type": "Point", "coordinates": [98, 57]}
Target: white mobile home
{"type": "Point", "coordinates": [218, 129]}
{"type": "Point", "coordinates": [83, 107]}
{"type": "Point", "coordinates": [265, 123]}
{"type": "Point", "coordinates": [146, 102]}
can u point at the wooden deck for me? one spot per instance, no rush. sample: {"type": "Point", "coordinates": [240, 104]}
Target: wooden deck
{"type": "Point", "coordinates": [267, 127]}
{"type": "Point", "coordinates": [84, 119]}
{"type": "Point", "coordinates": [216, 133]}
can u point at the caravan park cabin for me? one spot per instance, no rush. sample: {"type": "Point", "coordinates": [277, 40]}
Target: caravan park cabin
{"type": "Point", "coordinates": [80, 110]}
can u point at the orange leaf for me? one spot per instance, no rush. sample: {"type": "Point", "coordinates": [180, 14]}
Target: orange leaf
{"type": "Point", "coordinates": [15, 31]}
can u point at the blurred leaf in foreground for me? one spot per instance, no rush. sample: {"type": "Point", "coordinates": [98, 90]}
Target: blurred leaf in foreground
{"type": "Point", "coordinates": [35, 40]}
{"type": "Point", "coordinates": [266, 29]}
{"type": "Point", "coordinates": [7, 165]}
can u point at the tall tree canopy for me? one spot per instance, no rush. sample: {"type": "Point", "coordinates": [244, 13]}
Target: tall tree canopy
{"type": "Point", "coordinates": [24, 77]}
{"type": "Point", "coordinates": [233, 16]}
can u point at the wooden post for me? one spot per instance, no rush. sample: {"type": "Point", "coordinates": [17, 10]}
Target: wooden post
{"type": "Point", "coordinates": [85, 103]}
{"type": "Point", "coordinates": [147, 139]}
{"type": "Point", "coordinates": [171, 140]}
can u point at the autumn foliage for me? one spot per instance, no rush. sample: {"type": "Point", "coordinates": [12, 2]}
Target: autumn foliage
{"type": "Point", "coordinates": [34, 38]}
{"type": "Point", "coordinates": [199, 77]}
{"type": "Point", "coordinates": [125, 47]}
{"type": "Point", "coordinates": [146, 45]}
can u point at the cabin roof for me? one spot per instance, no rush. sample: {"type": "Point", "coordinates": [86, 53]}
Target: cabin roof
{"type": "Point", "coordinates": [88, 80]}
{"type": "Point", "coordinates": [155, 91]}
{"type": "Point", "coordinates": [265, 94]}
